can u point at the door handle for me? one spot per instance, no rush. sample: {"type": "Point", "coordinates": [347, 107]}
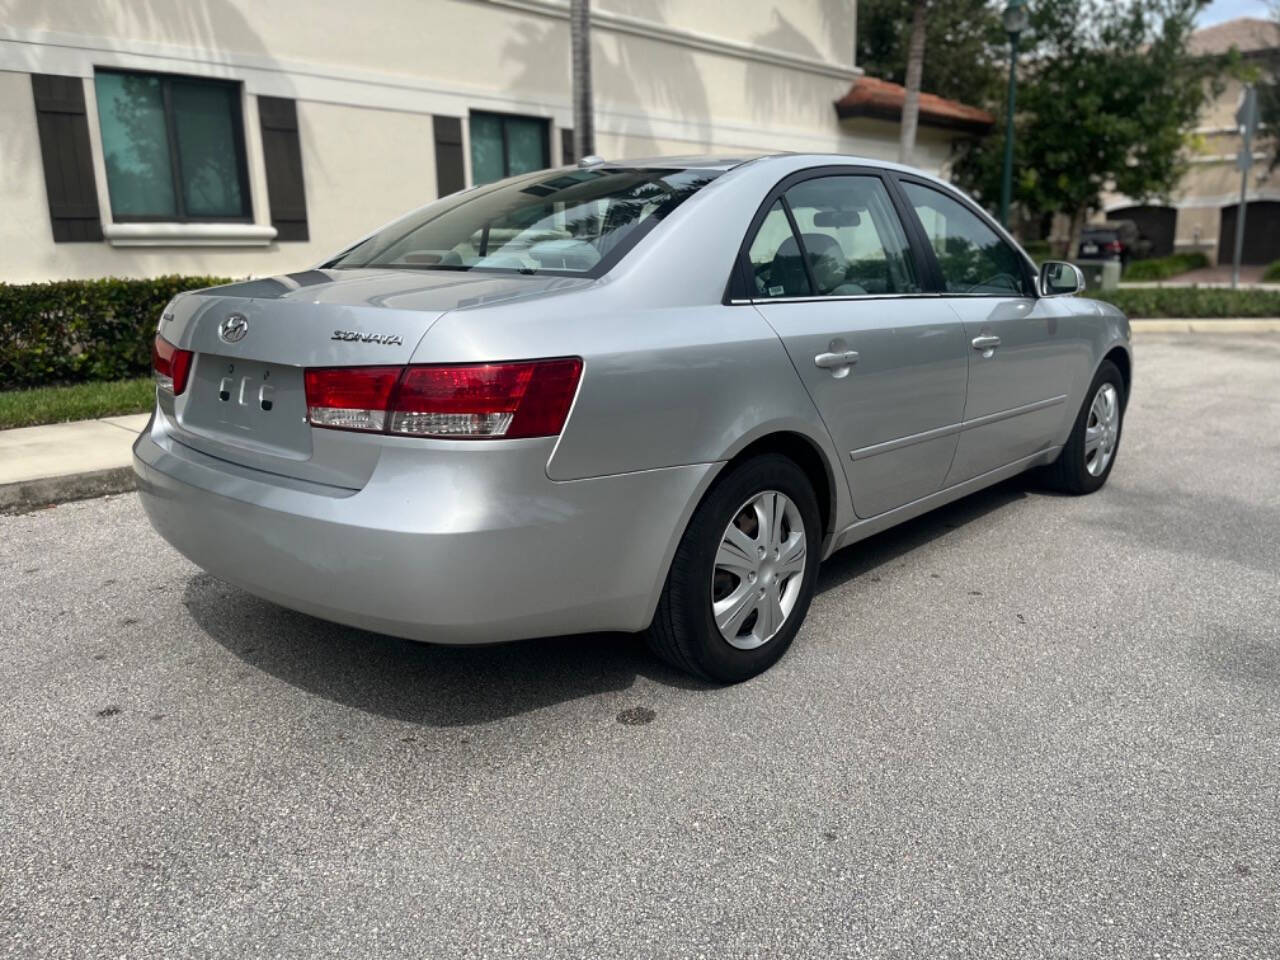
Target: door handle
{"type": "Point", "coordinates": [986, 343]}
{"type": "Point", "coordinates": [834, 361]}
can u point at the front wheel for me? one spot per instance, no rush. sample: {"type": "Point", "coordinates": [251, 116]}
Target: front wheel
{"type": "Point", "coordinates": [743, 576]}
{"type": "Point", "coordinates": [1090, 452]}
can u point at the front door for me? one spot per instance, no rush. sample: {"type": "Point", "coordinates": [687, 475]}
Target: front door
{"type": "Point", "coordinates": [1023, 351]}
{"type": "Point", "coordinates": [885, 364]}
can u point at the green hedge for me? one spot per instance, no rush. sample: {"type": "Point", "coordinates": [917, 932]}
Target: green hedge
{"type": "Point", "coordinates": [72, 331]}
{"type": "Point", "coordinates": [1272, 273]}
{"type": "Point", "coordinates": [1192, 303]}
{"type": "Point", "coordinates": [1162, 268]}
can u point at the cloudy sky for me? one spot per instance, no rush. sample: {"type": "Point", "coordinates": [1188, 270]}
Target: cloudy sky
{"type": "Point", "coordinates": [1221, 10]}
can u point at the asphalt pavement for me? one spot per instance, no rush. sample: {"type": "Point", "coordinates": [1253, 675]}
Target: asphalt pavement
{"type": "Point", "coordinates": [1024, 726]}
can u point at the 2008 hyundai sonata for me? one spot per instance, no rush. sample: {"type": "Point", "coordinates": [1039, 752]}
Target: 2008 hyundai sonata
{"type": "Point", "coordinates": [634, 396]}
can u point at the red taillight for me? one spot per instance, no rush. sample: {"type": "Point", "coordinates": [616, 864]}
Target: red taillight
{"type": "Point", "coordinates": [1115, 247]}
{"type": "Point", "coordinates": [350, 398]}
{"type": "Point", "coordinates": [471, 401]}
{"type": "Point", "coordinates": [170, 366]}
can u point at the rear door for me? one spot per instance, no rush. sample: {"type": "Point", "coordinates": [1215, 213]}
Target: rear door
{"type": "Point", "coordinates": [830, 268]}
{"type": "Point", "coordinates": [1023, 352]}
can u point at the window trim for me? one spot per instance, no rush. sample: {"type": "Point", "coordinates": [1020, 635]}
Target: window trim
{"type": "Point", "coordinates": [739, 291]}
{"type": "Point", "coordinates": [544, 122]}
{"type": "Point", "coordinates": [175, 154]}
{"type": "Point", "coordinates": [1029, 276]}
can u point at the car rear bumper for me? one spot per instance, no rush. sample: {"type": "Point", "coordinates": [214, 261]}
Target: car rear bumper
{"type": "Point", "coordinates": [442, 544]}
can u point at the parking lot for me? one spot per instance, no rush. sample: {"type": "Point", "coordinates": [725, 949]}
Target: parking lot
{"type": "Point", "coordinates": [1025, 725]}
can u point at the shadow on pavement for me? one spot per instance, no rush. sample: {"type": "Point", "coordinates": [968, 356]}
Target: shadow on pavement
{"type": "Point", "coordinates": [460, 686]}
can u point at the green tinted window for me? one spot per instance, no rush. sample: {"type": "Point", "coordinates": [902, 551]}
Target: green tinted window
{"type": "Point", "coordinates": [172, 146]}
{"type": "Point", "coordinates": [135, 145]}
{"type": "Point", "coordinates": [504, 146]}
{"type": "Point", "coordinates": [210, 164]}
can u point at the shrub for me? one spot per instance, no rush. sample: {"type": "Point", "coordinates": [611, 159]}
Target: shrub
{"type": "Point", "coordinates": [1272, 273]}
{"type": "Point", "coordinates": [1161, 268]}
{"type": "Point", "coordinates": [1191, 303]}
{"type": "Point", "coordinates": [72, 331]}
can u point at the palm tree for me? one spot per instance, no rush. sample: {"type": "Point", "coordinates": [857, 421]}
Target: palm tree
{"type": "Point", "coordinates": [584, 129]}
{"type": "Point", "coordinates": [915, 67]}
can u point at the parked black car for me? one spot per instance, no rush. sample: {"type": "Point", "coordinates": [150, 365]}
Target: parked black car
{"type": "Point", "coordinates": [1114, 240]}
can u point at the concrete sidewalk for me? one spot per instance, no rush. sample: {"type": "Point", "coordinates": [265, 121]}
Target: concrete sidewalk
{"type": "Point", "coordinates": [66, 461]}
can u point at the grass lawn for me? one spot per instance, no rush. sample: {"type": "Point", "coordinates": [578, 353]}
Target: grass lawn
{"type": "Point", "coordinates": [80, 401]}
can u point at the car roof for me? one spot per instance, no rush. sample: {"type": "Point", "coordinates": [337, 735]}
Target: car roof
{"type": "Point", "coordinates": [726, 162]}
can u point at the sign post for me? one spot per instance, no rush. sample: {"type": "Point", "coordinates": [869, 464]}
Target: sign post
{"type": "Point", "coordinates": [1247, 121]}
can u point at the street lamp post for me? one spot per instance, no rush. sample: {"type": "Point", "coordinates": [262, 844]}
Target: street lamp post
{"type": "Point", "coordinates": [1016, 19]}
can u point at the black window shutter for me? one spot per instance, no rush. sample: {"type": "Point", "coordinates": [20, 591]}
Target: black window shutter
{"type": "Point", "coordinates": [566, 146]}
{"type": "Point", "coordinates": [68, 164]}
{"type": "Point", "coordinates": [451, 174]}
{"type": "Point", "coordinates": [282, 155]}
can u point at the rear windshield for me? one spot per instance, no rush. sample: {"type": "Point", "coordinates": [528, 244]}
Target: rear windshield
{"type": "Point", "coordinates": [1105, 236]}
{"type": "Point", "coordinates": [578, 222]}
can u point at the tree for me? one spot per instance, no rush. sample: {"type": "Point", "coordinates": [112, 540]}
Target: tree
{"type": "Point", "coordinates": [915, 66]}
{"type": "Point", "coordinates": [584, 125]}
{"type": "Point", "coordinates": [1107, 98]}
{"type": "Point", "coordinates": [962, 38]}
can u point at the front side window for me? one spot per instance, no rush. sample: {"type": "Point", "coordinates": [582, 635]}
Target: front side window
{"type": "Point", "coordinates": [973, 257]}
{"type": "Point", "coordinates": [173, 147]}
{"type": "Point", "coordinates": [850, 243]}
{"type": "Point", "coordinates": [576, 223]}
{"type": "Point", "coordinates": [506, 146]}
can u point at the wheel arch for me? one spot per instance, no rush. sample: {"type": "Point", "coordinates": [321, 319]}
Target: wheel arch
{"type": "Point", "coordinates": [1119, 355]}
{"type": "Point", "coordinates": [809, 457]}
{"type": "Point", "coordinates": [793, 440]}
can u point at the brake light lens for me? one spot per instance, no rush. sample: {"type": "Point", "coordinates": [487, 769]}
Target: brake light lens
{"type": "Point", "coordinates": [350, 398]}
{"type": "Point", "coordinates": [170, 366]}
{"type": "Point", "coordinates": [1115, 247]}
{"type": "Point", "coordinates": [453, 401]}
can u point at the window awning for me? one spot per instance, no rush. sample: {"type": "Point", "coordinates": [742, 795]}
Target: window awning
{"type": "Point", "coordinates": [882, 100]}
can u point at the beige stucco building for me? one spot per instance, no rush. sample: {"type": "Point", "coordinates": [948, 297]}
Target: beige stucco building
{"type": "Point", "coordinates": [247, 137]}
{"type": "Point", "coordinates": [1202, 213]}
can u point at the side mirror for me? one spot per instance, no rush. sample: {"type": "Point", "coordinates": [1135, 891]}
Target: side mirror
{"type": "Point", "coordinates": [1060, 279]}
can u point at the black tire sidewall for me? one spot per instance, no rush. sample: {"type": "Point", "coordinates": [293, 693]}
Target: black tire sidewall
{"type": "Point", "coordinates": [1080, 478]}
{"type": "Point", "coordinates": [714, 656]}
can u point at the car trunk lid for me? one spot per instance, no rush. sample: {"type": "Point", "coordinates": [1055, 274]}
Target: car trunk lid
{"type": "Point", "coordinates": [245, 400]}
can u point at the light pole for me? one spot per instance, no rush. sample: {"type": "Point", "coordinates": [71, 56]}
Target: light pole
{"type": "Point", "coordinates": [1016, 19]}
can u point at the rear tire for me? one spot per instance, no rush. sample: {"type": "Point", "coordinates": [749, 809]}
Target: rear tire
{"type": "Point", "coordinates": [1086, 461]}
{"type": "Point", "coordinates": [743, 575]}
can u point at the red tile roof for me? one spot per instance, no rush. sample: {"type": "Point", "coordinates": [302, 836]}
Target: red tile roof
{"type": "Point", "coordinates": [869, 97]}
{"type": "Point", "coordinates": [1246, 34]}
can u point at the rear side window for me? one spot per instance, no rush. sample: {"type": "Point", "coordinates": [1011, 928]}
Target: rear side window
{"type": "Point", "coordinates": [972, 256]}
{"type": "Point", "coordinates": [776, 265]}
{"type": "Point", "coordinates": [850, 242]}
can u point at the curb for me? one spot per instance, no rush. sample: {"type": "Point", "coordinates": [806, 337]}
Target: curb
{"type": "Point", "coordinates": [31, 495]}
{"type": "Point", "coordinates": [1205, 326]}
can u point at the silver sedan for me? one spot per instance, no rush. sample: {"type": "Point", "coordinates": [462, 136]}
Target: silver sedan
{"type": "Point", "coordinates": [650, 395]}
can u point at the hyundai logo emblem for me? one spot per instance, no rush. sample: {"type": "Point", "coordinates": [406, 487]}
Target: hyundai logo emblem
{"type": "Point", "coordinates": [234, 327]}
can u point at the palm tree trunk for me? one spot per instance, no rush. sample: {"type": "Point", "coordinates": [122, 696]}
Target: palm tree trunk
{"type": "Point", "coordinates": [584, 128]}
{"type": "Point", "coordinates": [915, 67]}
